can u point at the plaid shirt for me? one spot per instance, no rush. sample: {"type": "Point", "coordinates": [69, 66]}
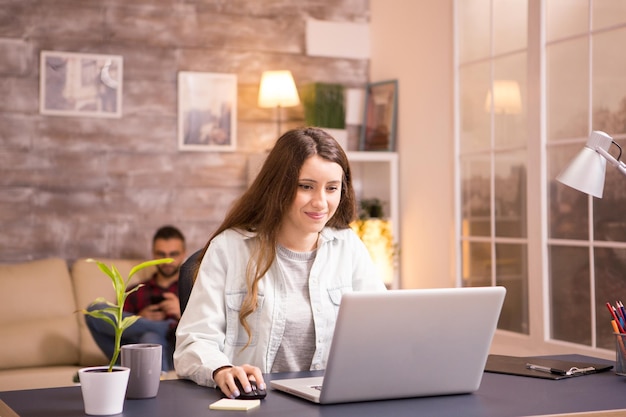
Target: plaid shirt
{"type": "Point", "coordinates": [143, 297]}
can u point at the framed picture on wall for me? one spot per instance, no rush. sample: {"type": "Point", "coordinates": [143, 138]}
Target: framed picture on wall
{"type": "Point", "coordinates": [379, 120]}
{"type": "Point", "coordinates": [207, 111]}
{"type": "Point", "coordinates": [76, 84]}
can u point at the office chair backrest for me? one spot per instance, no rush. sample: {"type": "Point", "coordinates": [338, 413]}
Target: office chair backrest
{"type": "Point", "coordinates": [185, 279]}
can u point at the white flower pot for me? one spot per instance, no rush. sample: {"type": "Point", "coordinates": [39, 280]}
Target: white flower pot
{"type": "Point", "coordinates": [103, 392]}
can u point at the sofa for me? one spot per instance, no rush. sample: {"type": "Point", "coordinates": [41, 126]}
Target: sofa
{"type": "Point", "coordinates": [44, 336]}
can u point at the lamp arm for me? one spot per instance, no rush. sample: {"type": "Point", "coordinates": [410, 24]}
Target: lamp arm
{"type": "Point", "coordinates": [615, 162]}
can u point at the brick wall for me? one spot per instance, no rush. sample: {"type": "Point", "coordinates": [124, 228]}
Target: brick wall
{"type": "Point", "coordinates": [84, 186]}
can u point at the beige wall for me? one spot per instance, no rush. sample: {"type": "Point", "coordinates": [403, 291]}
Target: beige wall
{"type": "Point", "coordinates": [412, 42]}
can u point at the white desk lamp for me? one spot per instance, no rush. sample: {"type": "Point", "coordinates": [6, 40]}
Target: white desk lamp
{"type": "Point", "coordinates": [587, 170]}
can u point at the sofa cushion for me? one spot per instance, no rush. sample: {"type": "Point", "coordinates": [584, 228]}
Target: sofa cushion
{"type": "Point", "coordinates": [35, 378]}
{"type": "Point", "coordinates": [90, 283]}
{"type": "Point", "coordinates": [37, 314]}
{"type": "Point", "coordinates": [39, 343]}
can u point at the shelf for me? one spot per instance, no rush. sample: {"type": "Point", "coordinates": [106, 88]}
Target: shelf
{"type": "Point", "coordinates": [375, 175]}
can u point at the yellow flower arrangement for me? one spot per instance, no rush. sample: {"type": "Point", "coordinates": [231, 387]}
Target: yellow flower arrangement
{"type": "Point", "coordinates": [376, 234]}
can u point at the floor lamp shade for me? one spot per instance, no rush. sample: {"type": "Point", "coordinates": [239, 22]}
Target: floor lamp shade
{"type": "Point", "coordinates": [587, 170]}
{"type": "Point", "coordinates": [278, 89]}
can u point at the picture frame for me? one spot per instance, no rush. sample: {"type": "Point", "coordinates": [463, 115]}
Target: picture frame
{"type": "Point", "coordinates": [380, 117]}
{"type": "Point", "coordinates": [207, 111]}
{"type": "Point", "coordinates": [77, 84]}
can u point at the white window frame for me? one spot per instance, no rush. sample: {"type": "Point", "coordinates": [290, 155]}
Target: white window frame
{"type": "Point", "coordinates": [538, 340]}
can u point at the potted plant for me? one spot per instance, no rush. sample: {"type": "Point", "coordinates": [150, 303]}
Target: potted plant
{"type": "Point", "coordinates": [104, 387]}
{"type": "Point", "coordinates": [324, 107]}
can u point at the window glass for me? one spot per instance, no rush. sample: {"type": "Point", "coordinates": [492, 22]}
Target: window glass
{"type": "Point", "coordinates": [610, 264]}
{"type": "Point", "coordinates": [476, 264]}
{"type": "Point", "coordinates": [509, 100]}
{"type": "Point", "coordinates": [565, 18]}
{"type": "Point", "coordinates": [510, 194]}
{"type": "Point", "coordinates": [476, 195]}
{"type": "Point", "coordinates": [570, 297]}
{"type": "Point", "coordinates": [609, 222]}
{"type": "Point", "coordinates": [608, 13]}
{"type": "Point", "coordinates": [473, 29]}
{"type": "Point", "coordinates": [567, 83]}
{"type": "Point", "coordinates": [510, 21]}
{"type": "Point", "coordinates": [609, 82]}
{"type": "Point", "coordinates": [511, 272]}
{"type": "Point", "coordinates": [568, 215]}
{"type": "Point", "coordinates": [474, 82]}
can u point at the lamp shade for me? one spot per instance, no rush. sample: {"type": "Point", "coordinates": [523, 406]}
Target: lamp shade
{"type": "Point", "coordinates": [587, 170]}
{"type": "Point", "coordinates": [278, 89]}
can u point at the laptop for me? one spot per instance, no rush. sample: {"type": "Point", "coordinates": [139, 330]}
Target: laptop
{"type": "Point", "coordinates": [405, 343]}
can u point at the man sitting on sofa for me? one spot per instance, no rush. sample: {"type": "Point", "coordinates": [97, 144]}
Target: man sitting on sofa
{"type": "Point", "coordinates": [156, 302]}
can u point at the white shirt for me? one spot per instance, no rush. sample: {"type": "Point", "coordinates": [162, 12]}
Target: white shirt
{"type": "Point", "coordinates": [209, 335]}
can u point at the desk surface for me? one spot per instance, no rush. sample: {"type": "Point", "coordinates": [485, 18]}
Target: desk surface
{"type": "Point", "coordinates": [498, 396]}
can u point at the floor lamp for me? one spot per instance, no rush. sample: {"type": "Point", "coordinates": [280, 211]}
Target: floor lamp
{"type": "Point", "coordinates": [278, 90]}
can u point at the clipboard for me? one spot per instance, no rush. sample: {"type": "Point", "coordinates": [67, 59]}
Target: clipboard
{"type": "Point", "coordinates": [518, 365]}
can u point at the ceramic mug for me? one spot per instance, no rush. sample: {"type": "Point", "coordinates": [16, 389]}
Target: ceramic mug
{"type": "Point", "coordinates": [144, 361]}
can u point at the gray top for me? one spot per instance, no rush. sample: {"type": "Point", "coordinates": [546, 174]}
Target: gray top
{"type": "Point", "coordinates": [298, 343]}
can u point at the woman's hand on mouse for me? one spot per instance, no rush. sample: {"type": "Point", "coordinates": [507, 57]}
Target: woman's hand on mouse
{"type": "Point", "coordinates": [225, 379]}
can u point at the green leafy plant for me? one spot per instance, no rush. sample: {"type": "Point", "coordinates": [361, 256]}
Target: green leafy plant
{"type": "Point", "coordinates": [371, 208]}
{"type": "Point", "coordinates": [324, 105]}
{"type": "Point", "coordinates": [113, 312]}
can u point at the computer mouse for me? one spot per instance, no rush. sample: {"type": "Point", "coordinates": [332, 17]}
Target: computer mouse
{"type": "Point", "coordinates": [254, 394]}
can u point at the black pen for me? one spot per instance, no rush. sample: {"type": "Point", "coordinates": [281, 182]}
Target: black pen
{"type": "Point", "coordinates": [546, 369]}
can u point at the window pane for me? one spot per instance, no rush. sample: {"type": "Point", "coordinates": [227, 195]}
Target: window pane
{"type": "Point", "coordinates": [567, 81]}
{"type": "Point", "coordinates": [476, 264]}
{"type": "Point", "coordinates": [473, 29]}
{"type": "Point", "coordinates": [610, 264]}
{"type": "Point", "coordinates": [509, 104]}
{"type": "Point", "coordinates": [608, 13]}
{"type": "Point", "coordinates": [510, 21]}
{"type": "Point", "coordinates": [570, 295]}
{"type": "Point", "coordinates": [476, 196]}
{"type": "Point", "coordinates": [609, 222]}
{"type": "Point", "coordinates": [609, 83]}
{"type": "Point", "coordinates": [566, 18]}
{"type": "Point", "coordinates": [510, 194]}
{"type": "Point", "coordinates": [475, 121]}
{"type": "Point", "coordinates": [569, 213]}
{"type": "Point", "coordinates": [511, 272]}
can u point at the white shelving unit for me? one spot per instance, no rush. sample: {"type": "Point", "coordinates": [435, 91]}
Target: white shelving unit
{"type": "Point", "coordinates": [375, 175]}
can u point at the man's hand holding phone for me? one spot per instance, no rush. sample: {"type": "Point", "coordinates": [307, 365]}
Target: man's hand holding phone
{"type": "Point", "coordinates": [154, 310]}
{"type": "Point", "coordinates": [161, 307]}
{"type": "Point", "coordinates": [170, 305]}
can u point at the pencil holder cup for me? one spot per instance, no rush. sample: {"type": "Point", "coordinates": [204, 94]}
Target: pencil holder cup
{"type": "Point", "coordinates": [620, 354]}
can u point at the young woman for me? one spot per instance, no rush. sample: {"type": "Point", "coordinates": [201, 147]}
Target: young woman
{"type": "Point", "coordinates": [269, 285]}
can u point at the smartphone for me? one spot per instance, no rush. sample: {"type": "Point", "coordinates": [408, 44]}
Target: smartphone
{"type": "Point", "coordinates": [156, 299]}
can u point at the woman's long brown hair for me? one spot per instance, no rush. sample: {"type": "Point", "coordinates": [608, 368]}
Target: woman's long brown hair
{"type": "Point", "coordinates": [262, 207]}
